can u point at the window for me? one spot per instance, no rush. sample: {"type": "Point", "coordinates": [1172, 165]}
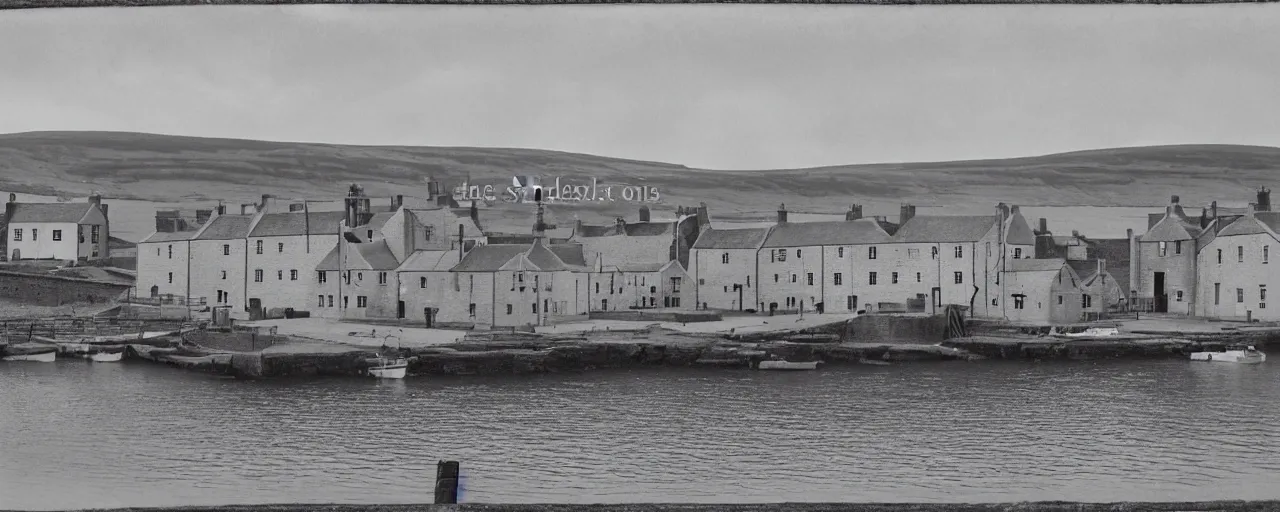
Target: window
{"type": "Point", "coordinates": [359, 276]}
{"type": "Point", "coordinates": [793, 278]}
{"type": "Point", "coordinates": [1179, 296]}
{"type": "Point", "coordinates": [346, 301]}
{"type": "Point", "coordinates": [700, 281]}
{"type": "Point", "coordinates": [1163, 248]}
{"type": "Point", "coordinates": [1240, 254]}
{"type": "Point", "coordinates": [933, 252]}
{"type": "Point", "coordinates": [57, 235]}
{"type": "Point", "coordinates": [322, 276]}
{"type": "Point", "coordinates": [257, 276]}
{"type": "Point", "coordinates": [748, 281]}
{"type": "Point", "coordinates": [170, 251]}
{"type": "Point", "coordinates": [810, 278]}
{"type": "Point", "coordinates": [726, 288]}
{"type": "Point", "coordinates": [1219, 256]}
{"type": "Point", "coordinates": [704, 281]}
{"type": "Point", "coordinates": [893, 278]}
{"type": "Point", "coordinates": [839, 252]}
{"type": "Point", "coordinates": [1217, 293]}
{"type": "Point", "coordinates": [917, 277]}
{"type": "Point", "coordinates": [724, 258]}
{"type": "Point", "coordinates": [330, 300]}
{"type": "Point", "coordinates": [34, 232]}
{"type": "Point", "coordinates": [471, 310]}
{"type": "Point", "coordinates": [382, 278]}
{"type": "Point", "coordinates": [838, 279]}
{"type": "Point", "coordinates": [370, 234]}
{"type": "Point", "coordinates": [1017, 253]}
{"type": "Point", "coordinates": [1019, 301]}
{"type": "Point", "coordinates": [797, 253]}
{"type": "Point", "coordinates": [279, 275]}
{"type": "Point", "coordinates": [226, 250]}
{"type": "Point", "coordinates": [782, 255]}
{"type": "Point", "coordinates": [871, 279]}
{"type": "Point", "coordinates": [959, 251]}
{"type": "Point", "coordinates": [1177, 247]}
{"type": "Point", "coordinates": [989, 254]}
{"type": "Point", "coordinates": [871, 252]}
{"type": "Point", "coordinates": [604, 304]}
{"type": "Point", "coordinates": [1086, 301]}
{"type": "Point", "coordinates": [422, 282]}
{"type": "Point", "coordinates": [427, 233]}
{"type": "Point", "coordinates": [1239, 295]}
{"type": "Point", "coordinates": [913, 254]}
{"type": "Point", "coordinates": [1059, 299]}
{"type": "Point", "coordinates": [93, 234]}
{"type": "Point", "coordinates": [1266, 253]}
{"type": "Point", "coordinates": [508, 309]}
{"type": "Point", "coordinates": [959, 277]}
{"type": "Point", "coordinates": [320, 301]}
{"type": "Point", "coordinates": [293, 275]}
{"type": "Point", "coordinates": [17, 236]}
{"type": "Point", "coordinates": [1262, 296]}
{"type": "Point", "coordinates": [362, 301]}
{"type": "Point", "coordinates": [259, 247]}
{"type": "Point", "coordinates": [535, 308]}
{"type": "Point", "coordinates": [171, 277]}
{"type": "Point", "coordinates": [224, 275]}
{"type": "Point", "coordinates": [80, 233]}
{"type": "Point", "coordinates": [280, 247]}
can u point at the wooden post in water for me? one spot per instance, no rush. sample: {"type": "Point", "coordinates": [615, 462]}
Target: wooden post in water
{"type": "Point", "coordinates": [447, 482]}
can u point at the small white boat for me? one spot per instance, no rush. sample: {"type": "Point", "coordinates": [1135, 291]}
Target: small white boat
{"type": "Point", "coordinates": [107, 357]}
{"type": "Point", "coordinates": [43, 357]}
{"type": "Point", "coordinates": [389, 368]}
{"type": "Point", "coordinates": [787, 365]}
{"type": "Point", "coordinates": [1246, 355]}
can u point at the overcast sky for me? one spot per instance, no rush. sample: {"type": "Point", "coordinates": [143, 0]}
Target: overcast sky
{"type": "Point", "coordinates": [732, 87]}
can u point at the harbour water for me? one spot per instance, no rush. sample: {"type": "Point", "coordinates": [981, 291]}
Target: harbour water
{"type": "Point", "coordinates": [80, 435]}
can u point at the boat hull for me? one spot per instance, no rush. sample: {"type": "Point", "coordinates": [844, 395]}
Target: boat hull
{"type": "Point", "coordinates": [106, 357]}
{"type": "Point", "coordinates": [1230, 356]}
{"type": "Point", "coordinates": [389, 372]}
{"type": "Point", "coordinates": [45, 357]}
{"type": "Point", "coordinates": [787, 365]}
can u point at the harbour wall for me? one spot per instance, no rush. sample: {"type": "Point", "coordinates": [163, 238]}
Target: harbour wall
{"type": "Point", "coordinates": [1052, 506]}
{"type": "Point", "coordinates": [46, 290]}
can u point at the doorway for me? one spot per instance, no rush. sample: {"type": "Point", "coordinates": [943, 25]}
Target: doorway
{"type": "Point", "coordinates": [17, 255]}
{"type": "Point", "coordinates": [400, 310]}
{"type": "Point", "coordinates": [430, 316]}
{"type": "Point", "coordinates": [853, 302]}
{"type": "Point", "coordinates": [255, 309]}
{"type": "Point", "coordinates": [155, 291]}
{"type": "Point", "coordinates": [1161, 297]}
{"type": "Point", "coordinates": [937, 298]}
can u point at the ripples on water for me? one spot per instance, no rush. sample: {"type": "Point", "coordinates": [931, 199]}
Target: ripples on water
{"type": "Point", "coordinates": [76, 435]}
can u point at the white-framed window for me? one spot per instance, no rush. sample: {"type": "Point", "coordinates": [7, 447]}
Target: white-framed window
{"type": "Point", "coordinates": [382, 278]}
{"type": "Point", "coordinates": [362, 301]}
{"type": "Point", "coordinates": [280, 247]}
{"type": "Point", "coordinates": [17, 236]}
{"type": "Point", "coordinates": [959, 251]}
{"type": "Point", "coordinates": [171, 278]}
{"type": "Point", "coordinates": [422, 282]}
{"type": "Point", "coordinates": [293, 275]}
{"type": "Point", "coordinates": [279, 275]}
{"type": "Point", "coordinates": [724, 258]}
{"type": "Point", "coordinates": [57, 235]}
{"type": "Point", "coordinates": [871, 252]}
{"type": "Point", "coordinates": [871, 278]}
{"type": "Point", "coordinates": [893, 278]}
{"type": "Point", "coordinates": [839, 252]}
{"type": "Point", "coordinates": [226, 250]}
{"type": "Point", "coordinates": [93, 233]}
{"type": "Point", "coordinates": [837, 279]}
{"type": "Point", "coordinates": [322, 276]}
{"type": "Point", "coordinates": [257, 275]}
{"type": "Point", "coordinates": [1163, 248]}
{"type": "Point", "coordinates": [959, 277]}
{"type": "Point", "coordinates": [258, 247]}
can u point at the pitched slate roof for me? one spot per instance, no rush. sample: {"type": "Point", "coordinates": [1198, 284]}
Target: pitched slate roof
{"type": "Point", "coordinates": [330, 261]}
{"type": "Point", "coordinates": [945, 228]}
{"type": "Point", "coordinates": [429, 261]}
{"type": "Point", "coordinates": [1034, 265]}
{"type": "Point", "coordinates": [163, 236]}
{"type": "Point", "coordinates": [1084, 268]}
{"type": "Point", "coordinates": [641, 267]}
{"type": "Point", "coordinates": [489, 258]}
{"type": "Point", "coordinates": [227, 227]}
{"type": "Point", "coordinates": [49, 212]}
{"type": "Point", "coordinates": [631, 229]}
{"type": "Point", "coordinates": [378, 220]}
{"type": "Point", "coordinates": [570, 254]}
{"type": "Point", "coordinates": [1171, 229]}
{"type": "Point", "coordinates": [1017, 232]}
{"type": "Point", "coordinates": [840, 232]}
{"type": "Point", "coordinates": [378, 254]}
{"type": "Point", "coordinates": [298, 223]}
{"type": "Point", "coordinates": [1243, 226]}
{"type": "Point", "coordinates": [747, 238]}
{"type": "Point", "coordinates": [1270, 219]}
{"type": "Point", "coordinates": [544, 258]}
{"type": "Point", "coordinates": [448, 219]}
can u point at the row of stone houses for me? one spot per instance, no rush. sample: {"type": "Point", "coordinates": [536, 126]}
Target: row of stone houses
{"type": "Point", "coordinates": [923, 263]}
{"type": "Point", "coordinates": [428, 263]}
{"type": "Point", "coordinates": [1216, 265]}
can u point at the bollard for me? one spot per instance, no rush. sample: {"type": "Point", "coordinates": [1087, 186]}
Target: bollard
{"type": "Point", "coordinates": [447, 482]}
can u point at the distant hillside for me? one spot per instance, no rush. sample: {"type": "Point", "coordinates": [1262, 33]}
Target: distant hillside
{"type": "Point", "coordinates": [168, 168]}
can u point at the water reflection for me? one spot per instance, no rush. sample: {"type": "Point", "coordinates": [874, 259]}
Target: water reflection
{"type": "Point", "coordinates": [76, 435]}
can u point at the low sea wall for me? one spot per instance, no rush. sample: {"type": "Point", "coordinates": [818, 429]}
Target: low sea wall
{"type": "Point", "coordinates": [640, 315]}
{"type": "Point", "coordinates": [46, 290]}
{"type": "Point", "coordinates": [1047, 506]}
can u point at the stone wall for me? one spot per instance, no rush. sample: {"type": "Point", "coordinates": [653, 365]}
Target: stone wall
{"type": "Point", "coordinates": [56, 291]}
{"type": "Point", "coordinates": [55, 327]}
{"type": "Point", "coordinates": [896, 328]}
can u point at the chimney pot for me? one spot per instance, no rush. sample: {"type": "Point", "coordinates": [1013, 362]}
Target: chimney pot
{"type": "Point", "coordinates": [782, 214]}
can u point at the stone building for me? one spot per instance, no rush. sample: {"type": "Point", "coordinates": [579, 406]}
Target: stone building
{"type": "Point", "coordinates": [723, 265]}
{"type": "Point", "coordinates": [57, 231]}
{"type": "Point", "coordinates": [1042, 291]}
{"type": "Point", "coordinates": [1163, 262]}
{"type": "Point", "coordinates": [1234, 268]}
{"type": "Point", "coordinates": [817, 266]}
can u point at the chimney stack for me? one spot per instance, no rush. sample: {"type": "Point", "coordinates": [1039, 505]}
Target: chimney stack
{"type": "Point", "coordinates": [268, 203]}
{"type": "Point", "coordinates": [1044, 225]}
{"type": "Point", "coordinates": [222, 209]}
{"type": "Point", "coordinates": [905, 213]}
{"type": "Point", "coordinates": [854, 213]}
{"type": "Point", "coordinates": [644, 214]}
{"type": "Point", "coordinates": [96, 199]}
{"type": "Point", "coordinates": [1264, 199]}
{"type": "Point", "coordinates": [782, 213]}
{"type": "Point", "coordinates": [397, 202]}
{"type": "Point", "coordinates": [704, 217]}
{"type": "Point", "coordinates": [1002, 210]}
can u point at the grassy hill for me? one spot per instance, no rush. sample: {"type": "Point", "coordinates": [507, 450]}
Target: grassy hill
{"type": "Point", "coordinates": [170, 168]}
